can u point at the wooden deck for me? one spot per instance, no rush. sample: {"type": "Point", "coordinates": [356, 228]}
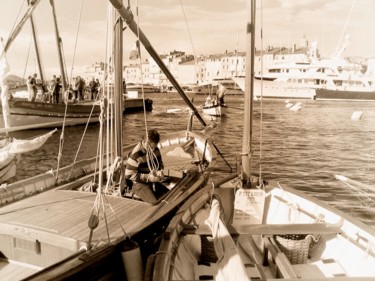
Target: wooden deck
{"type": "Point", "coordinates": [65, 214]}
{"type": "Point", "coordinates": [12, 270]}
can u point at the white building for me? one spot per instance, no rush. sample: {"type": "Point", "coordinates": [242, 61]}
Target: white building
{"type": "Point", "coordinates": [187, 70]}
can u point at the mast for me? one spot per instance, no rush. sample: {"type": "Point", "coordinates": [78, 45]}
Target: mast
{"type": "Point", "coordinates": [59, 47]}
{"type": "Point", "coordinates": [36, 46]}
{"type": "Point", "coordinates": [118, 85]}
{"type": "Point", "coordinates": [129, 19]}
{"type": "Point", "coordinates": [248, 101]}
{"type": "Point", "coordinates": [13, 35]}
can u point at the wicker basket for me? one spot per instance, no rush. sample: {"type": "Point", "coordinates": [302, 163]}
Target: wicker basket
{"type": "Point", "coordinates": [294, 246]}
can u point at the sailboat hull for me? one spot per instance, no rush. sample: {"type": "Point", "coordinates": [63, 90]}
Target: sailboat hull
{"type": "Point", "coordinates": [33, 115]}
{"type": "Point", "coordinates": [47, 232]}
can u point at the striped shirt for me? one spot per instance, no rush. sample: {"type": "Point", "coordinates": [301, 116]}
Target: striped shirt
{"type": "Point", "coordinates": [137, 168]}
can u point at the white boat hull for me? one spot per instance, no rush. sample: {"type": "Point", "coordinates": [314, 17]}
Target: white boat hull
{"type": "Point", "coordinates": [339, 245]}
{"type": "Point", "coordinates": [278, 90]}
{"type": "Point", "coordinates": [215, 110]}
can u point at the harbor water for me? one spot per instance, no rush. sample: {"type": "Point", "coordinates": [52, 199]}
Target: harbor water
{"type": "Point", "coordinates": [303, 149]}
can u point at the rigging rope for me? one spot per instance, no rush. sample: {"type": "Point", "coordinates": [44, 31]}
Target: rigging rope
{"type": "Point", "coordinates": [141, 71]}
{"type": "Point", "coordinates": [152, 161]}
{"type": "Point", "coordinates": [28, 52]}
{"type": "Point", "coordinates": [19, 12]}
{"type": "Point", "coordinates": [27, 59]}
{"type": "Point", "coordinates": [61, 143]}
{"type": "Point", "coordinates": [81, 141]}
{"type": "Point", "coordinates": [106, 107]}
{"type": "Point", "coordinates": [363, 191]}
{"type": "Point", "coordinates": [187, 26]}
{"type": "Point", "coordinates": [345, 25]}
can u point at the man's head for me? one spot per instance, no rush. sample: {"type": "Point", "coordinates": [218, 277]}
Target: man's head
{"type": "Point", "coordinates": [153, 138]}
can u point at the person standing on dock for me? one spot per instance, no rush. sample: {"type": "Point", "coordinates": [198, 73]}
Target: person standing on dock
{"type": "Point", "coordinates": [93, 89]}
{"type": "Point", "coordinates": [31, 86]}
{"type": "Point", "coordinates": [49, 96]}
{"type": "Point", "coordinates": [79, 85]}
{"type": "Point", "coordinates": [97, 87]}
{"type": "Point", "coordinates": [56, 90]}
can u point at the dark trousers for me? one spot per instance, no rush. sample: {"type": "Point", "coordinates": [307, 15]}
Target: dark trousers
{"type": "Point", "coordinates": [149, 192]}
{"type": "Point", "coordinates": [55, 97]}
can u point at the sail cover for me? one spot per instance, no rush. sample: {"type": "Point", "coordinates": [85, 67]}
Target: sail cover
{"type": "Point", "coordinates": [225, 248]}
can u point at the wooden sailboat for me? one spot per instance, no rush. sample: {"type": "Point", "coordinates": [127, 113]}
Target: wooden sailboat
{"type": "Point", "coordinates": [86, 225]}
{"type": "Point", "coordinates": [244, 228]}
{"type": "Point", "coordinates": [27, 114]}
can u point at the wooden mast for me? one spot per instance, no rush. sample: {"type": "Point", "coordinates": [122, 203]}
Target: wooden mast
{"type": "Point", "coordinates": [36, 46]}
{"type": "Point", "coordinates": [129, 19]}
{"type": "Point", "coordinates": [248, 101]}
{"type": "Point", "coordinates": [59, 47]}
{"type": "Point", "coordinates": [27, 15]}
{"type": "Point", "coordinates": [118, 84]}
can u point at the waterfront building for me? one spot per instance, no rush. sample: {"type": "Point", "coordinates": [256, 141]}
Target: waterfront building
{"type": "Point", "coordinates": [96, 70]}
{"type": "Point", "coordinates": [206, 68]}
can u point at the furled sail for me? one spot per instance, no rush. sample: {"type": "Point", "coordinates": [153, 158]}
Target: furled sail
{"type": "Point", "coordinates": [17, 146]}
{"type": "Point", "coordinates": [4, 74]}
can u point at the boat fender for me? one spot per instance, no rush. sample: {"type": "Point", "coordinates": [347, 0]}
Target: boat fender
{"type": "Point", "coordinates": [132, 260]}
{"type": "Point", "coordinates": [149, 268]}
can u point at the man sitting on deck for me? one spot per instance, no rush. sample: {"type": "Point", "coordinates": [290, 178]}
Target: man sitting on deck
{"type": "Point", "coordinates": [145, 168]}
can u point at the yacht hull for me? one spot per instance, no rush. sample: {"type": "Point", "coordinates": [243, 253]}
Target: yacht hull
{"type": "Point", "coordinates": [326, 94]}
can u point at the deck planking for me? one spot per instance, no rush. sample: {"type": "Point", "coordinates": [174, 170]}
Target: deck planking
{"type": "Point", "coordinates": [11, 271]}
{"type": "Point", "coordinates": [69, 215]}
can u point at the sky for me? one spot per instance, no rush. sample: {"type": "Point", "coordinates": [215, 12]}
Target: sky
{"type": "Point", "coordinates": [194, 26]}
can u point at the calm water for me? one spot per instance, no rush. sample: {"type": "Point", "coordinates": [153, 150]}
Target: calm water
{"type": "Point", "coordinates": [303, 149]}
